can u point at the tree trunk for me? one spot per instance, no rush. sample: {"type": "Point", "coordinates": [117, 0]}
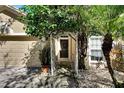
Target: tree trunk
{"type": "Point", "coordinates": [82, 46]}
{"type": "Point", "coordinates": [76, 60]}
{"type": "Point", "coordinates": [106, 47]}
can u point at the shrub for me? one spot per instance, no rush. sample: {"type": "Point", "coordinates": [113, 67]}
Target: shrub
{"type": "Point", "coordinates": [45, 55]}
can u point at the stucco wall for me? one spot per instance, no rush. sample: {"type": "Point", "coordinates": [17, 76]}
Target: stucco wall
{"type": "Point", "coordinates": [17, 26]}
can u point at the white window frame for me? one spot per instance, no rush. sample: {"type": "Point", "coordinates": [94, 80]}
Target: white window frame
{"type": "Point", "coordinates": [92, 48]}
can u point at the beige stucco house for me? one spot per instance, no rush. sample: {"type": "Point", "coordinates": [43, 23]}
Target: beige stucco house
{"type": "Point", "coordinates": [17, 48]}
{"type": "Point", "coordinates": [15, 45]}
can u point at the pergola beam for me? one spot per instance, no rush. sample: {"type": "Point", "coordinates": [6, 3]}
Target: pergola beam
{"type": "Point", "coordinates": [76, 59]}
{"type": "Point", "coordinates": [51, 53]}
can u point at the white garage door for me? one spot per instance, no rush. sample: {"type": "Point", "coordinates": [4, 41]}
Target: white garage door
{"type": "Point", "coordinates": [16, 51]}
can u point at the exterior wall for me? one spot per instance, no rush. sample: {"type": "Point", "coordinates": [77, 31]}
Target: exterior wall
{"type": "Point", "coordinates": [17, 26]}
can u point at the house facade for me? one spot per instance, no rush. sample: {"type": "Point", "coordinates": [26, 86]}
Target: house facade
{"type": "Point", "coordinates": [18, 49]}
{"type": "Point", "coordinates": [65, 47]}
{"type": "Point", "coordinates": [16, 44]}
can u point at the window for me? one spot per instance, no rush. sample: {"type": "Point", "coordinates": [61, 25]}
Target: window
{"type": "Point", "coordinates": [95, 50]}
{"type": "Point", "coordinates": [96, 55]}
{"type": "Point", "coordinates": [96, 42]}
{"type": "Point", "coordinates": [64, 48]}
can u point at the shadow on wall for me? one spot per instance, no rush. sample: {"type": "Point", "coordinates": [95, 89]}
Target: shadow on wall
{"type": "Point", "coordinates": [44, 55]}
{"type": "Point", "coordinates": [5, 61]}
{"type": "Point", "coordinates": [32, 58]}
{"type": "Point", "coordinates": [2, 42]}
{"type": "Point", "coordinates": [6, 55]}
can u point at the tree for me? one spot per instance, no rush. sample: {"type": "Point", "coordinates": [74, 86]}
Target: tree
{"type": "Point", "coordinates": [104, 19]}
{"type": "Point", "coordinates": [83, 31]}
{"type": "Point", "coordinates": [48, 21]}
{"type": "Point", "coordinates": [44, 21]}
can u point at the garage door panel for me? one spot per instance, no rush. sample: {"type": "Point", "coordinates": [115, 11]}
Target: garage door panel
{"type": "Point", "coordinates": [6, 46]}
{"type": "Point", "coordinates": [16, 42]}
{"type": "Point", "coordinates": [13, 50]}
{"type": "Point", "coordinates": [11, 59]}
{"type": "Point", "coordinates": [14, 53]}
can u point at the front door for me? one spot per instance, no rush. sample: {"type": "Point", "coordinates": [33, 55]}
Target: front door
{"type": "Point", "coordinates": [64, 49]}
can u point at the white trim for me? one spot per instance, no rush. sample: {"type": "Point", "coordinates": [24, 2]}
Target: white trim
{"type": "Point", "coordinates": [14, 34]}
{"type": "Point", "coordinates": [17, 34]}
{"type": "Point", "coordinates": [96, 37]}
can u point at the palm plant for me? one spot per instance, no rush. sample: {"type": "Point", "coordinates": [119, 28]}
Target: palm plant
{"type": "Point", "coordinates": [104, 19]}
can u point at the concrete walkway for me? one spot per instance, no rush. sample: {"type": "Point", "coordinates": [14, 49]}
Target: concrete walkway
{"type": "Point", "coordinates": [18, 78]}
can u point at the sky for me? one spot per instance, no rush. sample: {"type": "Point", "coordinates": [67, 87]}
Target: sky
{"type": "Point", "coordinates": [18, 6]}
